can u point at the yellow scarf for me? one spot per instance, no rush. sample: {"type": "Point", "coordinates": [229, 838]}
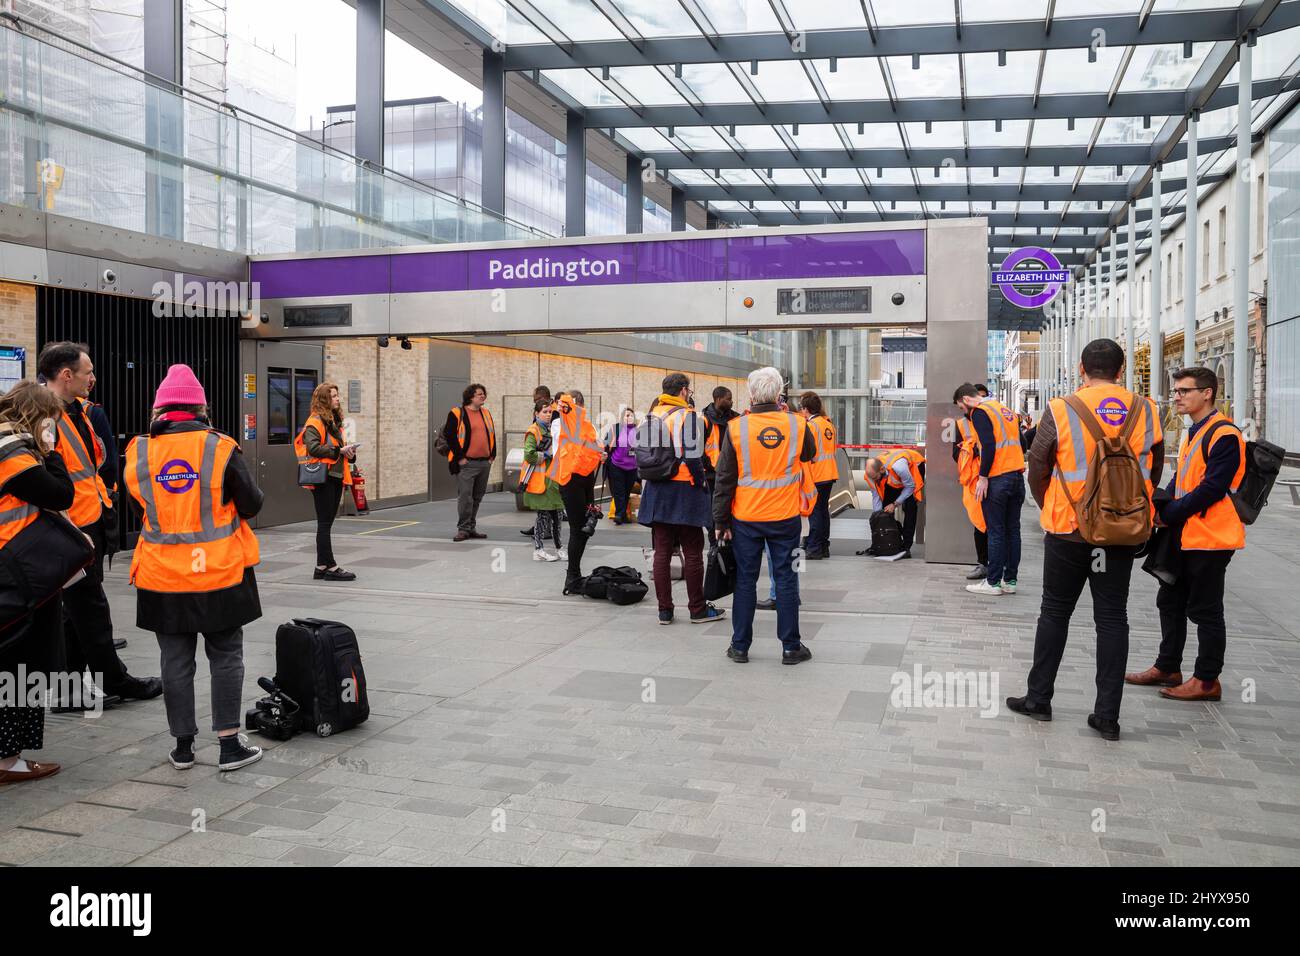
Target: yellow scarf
{"type": "Point", "coordinates": [675, 400]}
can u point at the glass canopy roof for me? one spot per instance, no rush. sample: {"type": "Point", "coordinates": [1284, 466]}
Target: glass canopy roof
{"type": "Point", "coordinates": [1047, 117]}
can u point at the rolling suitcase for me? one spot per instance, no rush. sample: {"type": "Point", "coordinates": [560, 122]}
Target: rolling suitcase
{"type": "Point", "coordinates": [318, 664]}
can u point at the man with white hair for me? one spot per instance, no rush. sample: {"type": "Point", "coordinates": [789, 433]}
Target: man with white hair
{"type": "Point", "coordinates": [757, 500]}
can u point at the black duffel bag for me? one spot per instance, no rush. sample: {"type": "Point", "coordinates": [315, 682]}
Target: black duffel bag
{"type": "Point", "coordinates": [36, 564]}
{"type": "Point", "coordinates": [619, 585]}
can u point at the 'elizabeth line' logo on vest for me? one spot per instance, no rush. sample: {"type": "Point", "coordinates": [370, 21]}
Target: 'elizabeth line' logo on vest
{"type": "Point", "coordinates": [770, 437]}
{"type": "Point", "coordinates": [1112, 411]}
{"type": "Point", "coordinates": [177, 482]}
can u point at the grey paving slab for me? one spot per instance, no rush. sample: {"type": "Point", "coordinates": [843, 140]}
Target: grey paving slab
{"type": "Point", "coordinates": [495, 693]}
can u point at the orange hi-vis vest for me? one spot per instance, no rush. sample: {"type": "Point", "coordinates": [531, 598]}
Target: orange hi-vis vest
{"type": "Point", "coordinates": [462, 431]}
{"type": "Point", "coordinates": [771, 483]}
{"type": "Point", "coordinates": [90, 496]}
{"type": "Point", "coordinates": [823, 467]}
{"type": "Point", "coordinates": [1008, 456]}
{"type": "Point", "coordinates": [914, 461]}
{"type": "Point", "coordinates": [1111, 405]}
{"type": "Point", "coordinates": [533, 478]}
{"type": "Point", "coordinates": [712, 442]}
{"type": "Point", "coordinates": [674, 418]}
{"type": "Point", "coordinates": [15, 514]}
{"type": "Point", "coordinates": [577, 450]}
{"type": "Point", "coordinates": [1219, 527]}
{"type": "Point", "coordinates": [190, 541]}
{"type": "Point", "coordinates": [300, 448]}
{"type": "Point", "coordinates": [968, 472]}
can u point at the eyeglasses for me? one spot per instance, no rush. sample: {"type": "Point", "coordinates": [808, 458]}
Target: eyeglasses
{"type": "Point", "coordinates": [1180, 392]}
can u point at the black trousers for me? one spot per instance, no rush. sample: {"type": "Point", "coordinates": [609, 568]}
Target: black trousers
{"type": "Point", "coordinates": [327, 498]}
{"type": "Point", "coordinates": [981, 547]}
{"type": "Point", "coordinates": [1067, 567]}
{"type": "Point", "coordinates": [89, 623]}
{"type": "Point", "coordinates": [1196, 596]}
{"type": "Point", "coordinates": [22, 727]}
{"type": "Point", "coordinates": [577, 494]}
{"type": "Point", "coordinates": [621, 483]}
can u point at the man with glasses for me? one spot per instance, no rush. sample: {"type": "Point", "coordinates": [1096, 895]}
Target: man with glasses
{"type": "Point", "coordinates": [1211, 464]}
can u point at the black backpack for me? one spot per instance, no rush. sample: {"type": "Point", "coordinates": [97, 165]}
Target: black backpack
{"type": "Point", "coordinates": [1263, 462]}
{"type": "Point", "coordinates": [318, 664]}
{"type": "Point", "coordinates": [886, 535]}
{"type": "Point", "coordinates": [601, 580]}
{"type": "Point", "coordinates": [656, 458]}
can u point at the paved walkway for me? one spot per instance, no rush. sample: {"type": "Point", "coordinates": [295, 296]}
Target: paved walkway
{"type": "Point", "coordinates": [512, 725]}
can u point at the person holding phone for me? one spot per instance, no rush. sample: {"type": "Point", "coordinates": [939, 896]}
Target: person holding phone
{"type": "Point", "coordinates": [322, 437]}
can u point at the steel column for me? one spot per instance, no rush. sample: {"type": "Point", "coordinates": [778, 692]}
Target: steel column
{"type": "Point", "coordinates": [1192, 228]}
{"type": "Point", "coordinates": [575, 176]}
{"type": "Point", "coordinates": [635, 194]}
{"type": "Point", "coordinates": [1155, 336]}
{"type": "Point", "coordinates": [494, 132]}
{"type": "Point", "coordinates": [1241, 406]}
{"type": "Point", "coordinates": [369, 120]}
{"type": "Point", "coordinates": [164, 43]}
{"type": "Point", "coordinates": [678, 210]}
{"type": "Point", "coordinates": [1130, 305]}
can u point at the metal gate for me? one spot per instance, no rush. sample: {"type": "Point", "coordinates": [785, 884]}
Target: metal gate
{"type": "Point", "coordinates": [132, 350]}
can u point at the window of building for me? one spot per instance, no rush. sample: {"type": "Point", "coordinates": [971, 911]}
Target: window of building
{"type": "Point", "coordinates": [1223, 241]}
{"type": "Point", "coordinates": [1182, 276]}
{"type": "Point", "coordinates": [1261, 213]}
{"type": "Point", "coordinates": [1205, 252]}
{"type": "Point", "coordinates": [1169, 277]}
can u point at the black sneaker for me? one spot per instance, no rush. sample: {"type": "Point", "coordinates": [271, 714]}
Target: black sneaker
{"type": "Point", "coordinates": [1109, 729]}
{"type": "Point", "coordinates": [182, 757]}
{"type": "Point", "coordinates": [665, 617]}
{"type": "Point", "coordinates": [527, 532]}
{"type": "Point", "coordinates": [767, 604]}
{"type": "Point", "coordinates": [710, 613]}
{"type": "Point", "coordinates": [238, 754]}
{"type": "Point", "coordinates": [797, 656]}
{"type": "Point", "coordinates": [1022, 706]}
{"type": "Point", "coordinates": [978, 573]}
{"type": "Point", "coordinates": [739, 656]}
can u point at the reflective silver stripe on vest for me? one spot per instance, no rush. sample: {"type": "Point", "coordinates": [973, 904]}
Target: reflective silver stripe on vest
{"type": "Point", "coordinates": [1186, 463]}
{"type": "Point", "coordinates": [209, 531]}
{"type": "Point", "coordinates": [1080, 470]}
{"type": "Point", "coordinates": [73, 441]}
{"type": "Point", "coordinates": [820, 456]}
{"type": "Point", "coordinates": [792, 452]}
{"type": "Point", "coordinates": [17, 514]}
{"type": "Point", "coordinates": [1003, 437]}
{"type": "Point", "coordinates": [1148, 436]}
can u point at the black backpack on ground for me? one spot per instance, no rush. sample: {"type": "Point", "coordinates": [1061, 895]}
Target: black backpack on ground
{"type": "Point", "coordinates": [1263, 462]}
{"type": "Point", "coordinates": [656, 458]}
{"type": "Point", "coordinates": [886, 535]}
{"type": "Point", "coordinates": [318, 664]}
{"type": "Point", "coordinates": [620, 585]}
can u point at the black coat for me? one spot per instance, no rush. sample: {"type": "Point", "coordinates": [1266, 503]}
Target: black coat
{"type": "Point", "coordinates": [191, 613]}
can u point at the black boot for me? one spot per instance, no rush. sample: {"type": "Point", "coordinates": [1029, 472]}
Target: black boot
{"type": "Point", "coordinates": [573, 583]}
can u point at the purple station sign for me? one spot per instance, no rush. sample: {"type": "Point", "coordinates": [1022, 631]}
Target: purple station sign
{"type": "Point", "coordinates": [1038, 270]}
{"type": "Point", "coordinates": [716, 259]}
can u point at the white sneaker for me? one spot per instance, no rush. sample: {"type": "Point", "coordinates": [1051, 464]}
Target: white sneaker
{"type": "Point", "coordinates": [983, 587]}
{"type": "Point", "coordinates": [541, 554]}
{"type": "Point", "coordinates": [1008, 587]}
{"type": "Point", "coordinates": [562, 555]}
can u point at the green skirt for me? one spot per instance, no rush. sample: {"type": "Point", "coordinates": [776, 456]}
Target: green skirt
{"type": "Point", "coordinates": [548, 500]}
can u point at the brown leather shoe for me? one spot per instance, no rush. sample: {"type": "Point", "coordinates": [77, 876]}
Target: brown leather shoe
{"type": "Point", "coordinates": [35, 772]}
{"type": "Point", "coordinates": [1193, 689]}
{"type": "Point", "coordinates": [461, 536]}
{"type": "Point", "coordinates": [1152, 677]}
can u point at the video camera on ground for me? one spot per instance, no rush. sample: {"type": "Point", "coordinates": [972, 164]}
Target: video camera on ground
{"type": "Point", "coordinates": [275, 716]}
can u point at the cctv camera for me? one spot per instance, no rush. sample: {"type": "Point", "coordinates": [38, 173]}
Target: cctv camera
{"type": "Point", "coordinates": [383, 341]}
{"type": "Point", "coordinates": [406, 343]}
{"type": "Point", "coordinates": [265, 318]}
{"type": "Point", "coordinates": [110, 277]}
{"type": "Point", "coordinates": [896, 298]}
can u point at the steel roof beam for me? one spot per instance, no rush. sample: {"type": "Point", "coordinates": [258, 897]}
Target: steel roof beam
{"type": "Point", "coordinates": [938, 110]}
{"type": "Point", "coordinates": [1047, 220]}
{"type": "Point", "coordinates": [1178, 26]}
{"type": "Point", "coordinates": [937, 192]}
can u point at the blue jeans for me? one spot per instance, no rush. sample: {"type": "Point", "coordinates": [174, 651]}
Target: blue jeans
{"type": "Point", "coordinates": [1002, 504]}
{"type": "Point", "coordinates": [748, 541]}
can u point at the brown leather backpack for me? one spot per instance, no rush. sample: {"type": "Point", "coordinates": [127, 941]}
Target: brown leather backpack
{"type": "Point", "coordinates": [1115, 507]}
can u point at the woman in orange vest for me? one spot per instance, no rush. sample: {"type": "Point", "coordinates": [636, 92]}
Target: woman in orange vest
{"type": "Point", "coordinates": [541, 494]}
{"type": "Point", "coordinates": [193, 563]}
{"type": "Point", "coordinates": [825, 472]}
{"type": "Point", "coordinates": [32, 476]}
{"type": "Point", "coordinates": [321, 440]}
{"type": "Point", "coordinates": [578, 453]}
{"type": "Point", "coordinates": [1211, 465]}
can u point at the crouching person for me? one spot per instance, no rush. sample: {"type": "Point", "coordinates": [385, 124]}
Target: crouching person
{"type": "Point", "coordinates": [193, 564]}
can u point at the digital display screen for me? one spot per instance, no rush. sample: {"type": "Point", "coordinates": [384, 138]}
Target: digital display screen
{"type": "Point", "coordinates": [823, 301]}
{"type": "Point", "coordinates": [317, 316]}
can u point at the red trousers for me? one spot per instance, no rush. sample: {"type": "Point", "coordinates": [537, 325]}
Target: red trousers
{"type": "Point", "coordinates": [666, 539]}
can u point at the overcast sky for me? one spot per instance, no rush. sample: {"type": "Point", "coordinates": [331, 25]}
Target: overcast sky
{"type": "Point", "coordinates": [320, 36]}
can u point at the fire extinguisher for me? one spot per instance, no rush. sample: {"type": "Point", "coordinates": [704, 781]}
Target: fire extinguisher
{"type": "Point", "coordinates": [359, 491]}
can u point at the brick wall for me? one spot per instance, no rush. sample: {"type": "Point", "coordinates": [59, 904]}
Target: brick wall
{"type": "Point", "coordinates": [358, 359]}
{"type": "Point", "coordinates": [404, 419]}
{"type": "Point", "coordinates": [18, 320]}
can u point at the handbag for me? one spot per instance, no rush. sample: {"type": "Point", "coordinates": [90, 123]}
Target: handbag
{"type": "Point", "coordinates": [36, 564]}
{"type": "Point", "coordinates": [719, 572]}
{"type": "Point", "coordinates": [312, 473]}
